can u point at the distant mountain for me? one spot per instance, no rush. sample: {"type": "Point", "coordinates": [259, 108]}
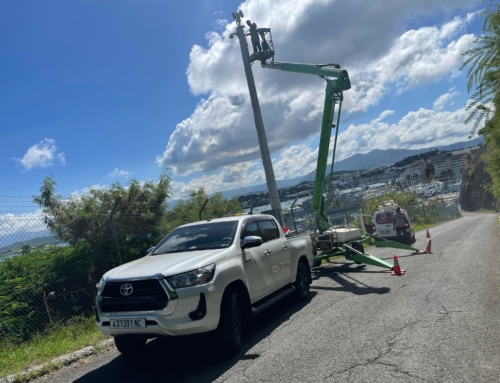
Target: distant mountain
{"type": "Point", "coordinates": [258, 188]}
{"type": "Point", "coordinates": [34, 242]}
{"type": "Point", "coordinates": [374, 159]}
{"type": "Point", "coordinates": [377, 158]}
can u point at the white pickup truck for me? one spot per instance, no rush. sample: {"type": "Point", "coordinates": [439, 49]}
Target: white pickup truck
{"type": "Point", "coordinates": [204, 276]}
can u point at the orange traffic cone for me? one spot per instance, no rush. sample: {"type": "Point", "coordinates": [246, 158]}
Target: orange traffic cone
{"type": "Point", "coordinates": [428, 248]}
{"type": "Point", "coordinates": [428, 235]}
{"type": "Point", "coordinates": [396, 270]}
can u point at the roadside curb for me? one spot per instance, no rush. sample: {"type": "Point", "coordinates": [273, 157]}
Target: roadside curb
{"type": "Point", "coordinates": [42, 369]}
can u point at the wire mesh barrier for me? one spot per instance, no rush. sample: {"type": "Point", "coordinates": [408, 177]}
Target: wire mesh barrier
{"type": "Point", "coordinates": [44, 281]}
{"type": "Point", "coordinates": [434, 213]}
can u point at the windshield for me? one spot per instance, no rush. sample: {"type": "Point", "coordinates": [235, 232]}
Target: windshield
{"type": "Point", "coordinates": [206, 236]}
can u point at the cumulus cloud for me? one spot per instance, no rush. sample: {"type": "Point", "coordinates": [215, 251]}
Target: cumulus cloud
{"type": "Point", "coordinates": [416, 130]}
{"type": "Point", "coordinates": [419, 129]}
{"type": "Point", "coordinates": [43, 154]}
{"type": "Point", "coordinates": [86, 190]}
{"type": "Point", "coordinates": [230, 177]}
{"type": "Point", "coordinates": [16, 228]}
{"type": "Point", "coordinates": [119, 173]}
{"type": "Point", "coordinates": [444, 99]}
{"type": "Point", "coordinates": [379, 55]}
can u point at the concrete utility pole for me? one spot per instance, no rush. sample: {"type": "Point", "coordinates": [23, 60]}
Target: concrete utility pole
{"type": "Point", "coordinates": [259, 123]}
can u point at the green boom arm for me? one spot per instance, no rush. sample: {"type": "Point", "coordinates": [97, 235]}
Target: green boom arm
{"type": "Point", "coordinates": [337, 81]}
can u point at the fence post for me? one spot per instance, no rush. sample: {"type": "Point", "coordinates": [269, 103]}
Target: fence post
{"type": "Point", "coordinates": [113, 230]}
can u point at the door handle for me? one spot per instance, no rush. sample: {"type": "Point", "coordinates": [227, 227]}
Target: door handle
{"type": "Point", "coordinates": [248, 260]}
{"type": "Point", "coordinates": [267, 252]}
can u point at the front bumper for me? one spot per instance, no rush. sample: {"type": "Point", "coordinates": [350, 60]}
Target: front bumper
{"type": "Point", "coordinates": [174, 319]}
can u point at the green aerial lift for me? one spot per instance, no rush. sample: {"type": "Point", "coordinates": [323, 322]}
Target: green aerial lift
{"type": "Point", "coordinates": [329, 242]}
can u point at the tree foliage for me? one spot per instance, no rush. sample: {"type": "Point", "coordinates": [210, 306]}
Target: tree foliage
{"type": "Point", "coordinates": [188, 210]}
{"type": "Point", "coordinates": [138, 219]}
{"type": "Point", "coordinates": [483, 61]}
{"type": "Point", "coordinates": [141, 219]}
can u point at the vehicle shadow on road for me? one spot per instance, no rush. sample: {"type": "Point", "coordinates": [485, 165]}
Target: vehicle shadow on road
{"type": "Point", "coordinates": [192, 358]}
{"type": "Point", "coordinates": [339, 274]}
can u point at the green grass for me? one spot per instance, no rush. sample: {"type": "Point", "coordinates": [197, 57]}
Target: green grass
{"type": "Point", "coordinates": [484, 211]}
{"type": "Point", "coordinates": [61, 340]}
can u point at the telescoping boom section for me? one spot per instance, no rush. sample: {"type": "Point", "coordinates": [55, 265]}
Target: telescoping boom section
{"type": "Point", "coordinates": [330, 242]}
{"type": "Point", "coordinates": [337, 82]}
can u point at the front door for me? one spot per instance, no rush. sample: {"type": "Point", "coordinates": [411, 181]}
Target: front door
{"type": "Point", "coordinates": [258, 267]}
{"type": "Point", "coordinates": [277, 252]}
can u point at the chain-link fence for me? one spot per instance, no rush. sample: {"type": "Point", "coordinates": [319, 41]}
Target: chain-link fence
{"type": "Point", "coordinates": [434, 213]}
{"type": "Point", "coordinates": [429, 213]}
{"type": "Point", "coordinates": [45, 282]}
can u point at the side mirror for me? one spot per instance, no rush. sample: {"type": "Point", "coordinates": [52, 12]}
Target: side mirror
{"type": "Point", "coordinates": [413, 219]}
{"type": "Point", "coordinates": [251, 241]}
{"type": "Point", "coordinates": [150, 249]}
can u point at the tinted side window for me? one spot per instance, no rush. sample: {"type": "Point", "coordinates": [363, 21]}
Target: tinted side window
{"type": "Point", "coordinates": [251, 229]}
{"type": "Point", "coordinates": [270, 230]}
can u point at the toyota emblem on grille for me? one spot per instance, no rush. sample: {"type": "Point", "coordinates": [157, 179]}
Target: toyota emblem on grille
{"type": "Point", "coordinates": [126, 289]}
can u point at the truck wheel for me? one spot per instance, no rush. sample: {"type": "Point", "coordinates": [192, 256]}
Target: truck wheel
{"type": "Point", "coordinates": [230, 329]}
{"type": "Point", "coordinates": [130, 344]}
{"type": "Point", "coordinates": [302, 282]}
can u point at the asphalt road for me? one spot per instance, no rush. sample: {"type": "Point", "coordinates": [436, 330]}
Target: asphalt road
{"type": "Point", "coordinates": [440, 322]}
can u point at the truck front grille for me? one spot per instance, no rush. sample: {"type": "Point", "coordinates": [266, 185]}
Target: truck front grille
{"type": "Point", "coordinates": [147, 295]}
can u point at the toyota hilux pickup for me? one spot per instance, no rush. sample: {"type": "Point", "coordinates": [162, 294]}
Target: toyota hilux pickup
{"type": "Point", "coordinates": [205, 276]}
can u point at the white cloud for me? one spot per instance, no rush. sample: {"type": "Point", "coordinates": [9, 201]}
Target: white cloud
{"type": "Point", "coordinates": [79, 193]}
{"type": "Point", "coordinates": [22, 227]}
{"type": "Point", "coordinates": [230, 177]}
{"type": "Point", "coordinates": [42, 155]}
{"type": "Point", "coordinates": [417, 58]}
{"type": "Point", "coordinates": [419, 129]}
{"type": "Point", "coordinates": [379, 54]}
{"type": "Point", "coordinates": [442, 100]}
{"type": "Point", "coordinates": [219, 24]}
{"type": "Point", "coordinates": [423, 128]}
{"type": "Point", "coordinates": [119, 173]}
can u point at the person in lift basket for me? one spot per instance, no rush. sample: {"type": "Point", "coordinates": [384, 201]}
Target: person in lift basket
{"type": "Point", "coordinates": [400, 224]}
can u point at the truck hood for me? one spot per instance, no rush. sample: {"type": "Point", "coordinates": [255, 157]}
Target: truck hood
{"type": "Point", "coordinates": [158, 266]}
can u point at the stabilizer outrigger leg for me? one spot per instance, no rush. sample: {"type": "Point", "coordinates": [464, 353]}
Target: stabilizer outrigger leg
{"type": "Point", "coordinates": [353, 255]}
{"type": "Point", "coordinates": [381, 242]}
{"type": "Point", "coordinates": [357, 256]}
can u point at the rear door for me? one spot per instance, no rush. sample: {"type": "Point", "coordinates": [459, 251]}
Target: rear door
{"type": "Point", "coordinates": [277, 253]}
{"type": "Point", "coordinates": [384, 224]}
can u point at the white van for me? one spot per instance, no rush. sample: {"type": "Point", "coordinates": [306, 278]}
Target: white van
{"type": "Point", "coordinates": [383, 223]}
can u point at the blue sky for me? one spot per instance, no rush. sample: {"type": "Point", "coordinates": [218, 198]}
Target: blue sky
{"type": "Point", "coordinates": [94, 92]}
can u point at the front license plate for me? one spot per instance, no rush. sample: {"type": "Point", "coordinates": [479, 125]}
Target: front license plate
{"type": "Point", "coordinates": [384, 232]}
{"type": "Point", "coordinates": [127, 323]}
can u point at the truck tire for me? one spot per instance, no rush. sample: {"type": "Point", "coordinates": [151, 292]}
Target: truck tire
{"type": "Point", "coordinates": [230, 329]}
{"type": "Point", "coordinates": [302, 283]}
{"type": "Point", "coordinates": [130, 344]}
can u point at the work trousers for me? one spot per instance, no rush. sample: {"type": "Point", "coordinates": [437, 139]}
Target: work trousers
{"type": "Point", "coordinates": [256, 46]}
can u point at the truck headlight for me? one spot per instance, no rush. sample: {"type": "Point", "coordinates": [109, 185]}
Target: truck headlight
{"type": "Point", "coordinates": [100, 285]}
{"type": "Point", "coordinates": [192, 278]}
